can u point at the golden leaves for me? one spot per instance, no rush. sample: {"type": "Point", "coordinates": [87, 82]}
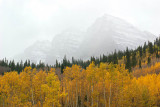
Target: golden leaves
{"type": "Point", "coordinates": [103, 85]}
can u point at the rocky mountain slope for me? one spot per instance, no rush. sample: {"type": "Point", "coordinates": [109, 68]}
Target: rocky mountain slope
{"type": "Point", "coordinates": [103, 37]}
{"type": "Point", "coordinates": [109, 33]}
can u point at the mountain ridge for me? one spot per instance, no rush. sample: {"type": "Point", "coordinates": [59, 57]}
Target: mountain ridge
{"type": "Point", "coordinates": [106, 34]}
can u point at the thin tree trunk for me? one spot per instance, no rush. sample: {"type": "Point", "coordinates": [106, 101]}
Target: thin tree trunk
{"type": "Point", "coordinates": [31, 77]}
{"type": "Point", "coordinates": [81, 94]}
{"type": "Point", "coordinates": [104, 98]}
{"type": "Point", "coordinates": [110, 96]}
{"type": "Point", "coordinates": [68, 99]}
{"type": "Point", "coordinates": [97, 100]}
{"type": "Point", "coordinates": [87, 98]}
{"type": "Point", "coordinates": [3, 101]}
{"type": "Point", "coordinates": [89, 95]}
{"type": "Point", "coordinates": [92, 93]}
{"type": "Point", "coordinates": [72, 99]}
{"type": "Point", "coordinates": [62, 85]}
{"type": "Point", "coordinates": [104, 93]}
{"type": "Point", "coordinates": [76, 96]}
{"type": "Point", "coordinates": [73, 103]}
{"type": "Point", "coordinates": [32, 97]}
{"type": "Point", "coordinates": [41, 98]}
{"type": "Point", "coordinates": [66, 104]}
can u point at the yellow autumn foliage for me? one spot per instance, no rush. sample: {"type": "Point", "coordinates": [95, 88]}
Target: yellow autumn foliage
{"type": "Point", "coordinates": [106, 85]}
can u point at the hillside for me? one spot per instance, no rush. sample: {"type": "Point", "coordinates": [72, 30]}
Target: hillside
{"type": "Point", "coordinates": [110, 33]}
{"type": "Point", "coordinates": [106, 34]}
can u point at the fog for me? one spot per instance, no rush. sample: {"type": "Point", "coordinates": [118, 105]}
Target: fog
{"type": "Point", "coordinates": [22, 22]}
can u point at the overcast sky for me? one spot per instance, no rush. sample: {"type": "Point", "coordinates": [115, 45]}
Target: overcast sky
{"type": "Point", "coordinates": [22, 22]}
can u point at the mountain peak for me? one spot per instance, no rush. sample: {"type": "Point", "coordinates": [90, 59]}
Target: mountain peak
{"type": "Point", "coordinates": [107, 16]}
{"type": "Point", "coordinates": [106, 35]}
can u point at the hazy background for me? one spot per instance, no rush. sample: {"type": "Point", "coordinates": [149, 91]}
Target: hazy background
{"type": "Point", "coordinates": [22, 22]}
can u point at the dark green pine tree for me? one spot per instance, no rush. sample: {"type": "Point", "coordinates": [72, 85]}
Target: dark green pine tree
{"type": "Point", "coordinates": [65, 61]}
{"type": "Point", "coordinates": [120, 54]}
{"type": "Point", "coordinates": [140, 51]}
{"type": "Point", "coordinates": [115, 59]}
{"type": "Point", "coordinates": [2, 63]}
{"type": "Point", "coordinates": [9, 64]}
{"type": "Point", "coordinates": [149, 60]}
{"type": "Point", "coordinates": [158, 42]}
{"type": "Point", "coordinates": [73, 60]}
{"type": "Point", "coordinates": [25, 64]}
{"type": "Point", "coordinates": [21, 66]}
{"type": "Point", "coordinates": [18, 67]}
{"type": "Point", "coordinates": [128, 62]}
{"type": "Point", "coordinates": [6, 62]}
{"type": "Point", "coordinates": [150, 47]}
{"type": "Point", "coordinates": [144, 49]}
{"type": "Point", "coordinates": [13, 66]}
{"type": "Point", "coordinates": [59, 65]}
{"type": "Point", "coordinates": [93, 59]}
{"type": "Point", "coordinates": [28, 64]}
{"type": "Point", "coordinates": [41, 65]}
{"type": "Point", "coordinates": [134, 61]}
{"type": "Point", "coordinates": [140, 64]}
{"type": "Point", "coordinates": [110, 58]}
{"type": "Point", "coordinates": [105, 58]}
{"type": "Point", "coordinates": [56, 63]}
{"type": "Point", "coordinates": [97, 62]}
{"type": "Point", "coordinates": [157, 55]}
{"type": "Point", "coordinates": [68, 63]}
{"type": "Point", "coordinates": [33, 65]}
{"type": "Point", "coordinates": [101, 59]}
{"type": "Point", "coordinates": [62, 67]}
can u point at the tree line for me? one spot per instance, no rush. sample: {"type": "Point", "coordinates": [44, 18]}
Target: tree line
{"type": "Point", "coordinates": [130, 58]}
{"type": "Point", "coordinates": [19, 66]}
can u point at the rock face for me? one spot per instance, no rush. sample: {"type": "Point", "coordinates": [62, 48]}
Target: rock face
{"type": "Point", "coordinates": [103, 37]}
{"type": "Point", "coordinates": [66, 43]}
{"type": "Point", "coordinates": [36, 52]}
{"type": "Point", "coordinates": [109, 33]}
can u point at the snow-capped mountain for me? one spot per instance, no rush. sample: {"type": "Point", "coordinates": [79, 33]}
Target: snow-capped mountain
{"type": "Point", "coordinates": [103, 37]}
{"type": "Point", "coordinates": [109, 33]}
{"type": "Point", "coordinates": [66, 43]}
{"type": "Point", "coordinates": [36, 52]}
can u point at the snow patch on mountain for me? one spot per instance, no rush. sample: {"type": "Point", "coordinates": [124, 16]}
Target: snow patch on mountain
{"type": "Point", "coordinates": [106, 35]}
{"type": "Point", "coordinates": [110, 33]}
{"type": "Point", "coordinates": [36, 52]}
